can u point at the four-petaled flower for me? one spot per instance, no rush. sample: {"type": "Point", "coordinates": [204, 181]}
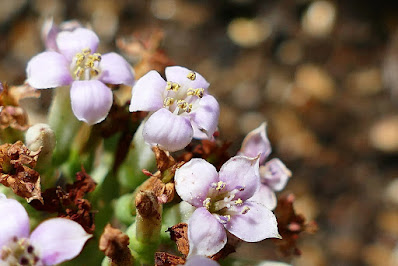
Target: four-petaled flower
{"type": "Point", "coordinates": [72, 60]}
{"type": "Point", "coordinates": [223, 201]}
{"type": "Point", "coordinates": [52, 242]}
{"type": "Point", "coordinates": [182, 107]}
{"type": "Point", "coordinates": [274, 174]}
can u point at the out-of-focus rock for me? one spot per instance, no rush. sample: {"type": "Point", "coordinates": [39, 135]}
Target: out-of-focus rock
{"type": "Point", "coordinates": [290, 52]}
{"type": "Point", "coordinates": [249, 121]}
{"type": "Point", "coordinates": [366, 82]}
{"type": "Point", "coordinates": [391, 192]}
{"type": "Point", "coordinates": [345, 246]}
{"type": "Point", "coordinates": [307, 206]}
{"type": "Point", "coordinates": [319, 18]}
{"type": "Point", "coordinates": [387, 221]}
{"type": "Point", "coordinates": [247, 95]}
{"type": "Point", "coordinates": [248, 32]}
{"type": "Point", "coordinates": [377, 254]}
{"type": "Point", "coordinates": [383, 135]}
{"type": "Point", "coordinates": [9, 8]}
{"type": "Point", "coordinates": [228, 122]}
{"type": "Point", "coordinates": [278, 86]}
{"type": "Point", "coordinates": [312, 254]}
{"type": "Point", "coordinates": [163, 9]}
{"type": "Point", "coordinates": [312, 81]}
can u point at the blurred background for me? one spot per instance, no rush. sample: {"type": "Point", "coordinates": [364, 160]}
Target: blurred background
{"type": "Point", "coordinates": [323, 74]}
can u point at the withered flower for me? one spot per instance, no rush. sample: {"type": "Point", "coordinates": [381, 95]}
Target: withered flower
{"type": "Point", "coordinates": [16, 166]}
{"type": "Point", "coordinates": [114, 243]}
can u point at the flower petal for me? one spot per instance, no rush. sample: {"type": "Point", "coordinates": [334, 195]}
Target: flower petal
{"type": "Point", "coordinates": [180, 75]}
{"type": "Point", "coordinates": [205, 117]}
{"type": "Point", "coordinates": [58, 240]}
{"type": "Point", "coordinates": [49, 33]}
{"type": "Point", "coordinates": [193, 180]}
{"type": "Point", "coordinates": [72, 42]}
{"type": "Point", "coordinates": [256, 224]}
{"type": "Point", "coordinates": [91, 100]}
{"type": "Point", "coordinates": [256, 142]}
{"type": "Point", "coordinates": [171, 132]}
{"type": "Point", "coordinates": [14, 221]}
{"type": "Point", "coordinates": [116, 70]}
{"type": "Point", "coordinates": [197, 260]}
{"type": "Point", "coordinates": [147, 93]}
{"type": "Point", "coordinates": [241, 172]}
{"type": "Point", "coordinates": [266, 196]}
{"type": "Point", "coordinates": [205, 234]}
{"type": "Point", "coordinates": [275, 174]}
{"type": "Point", "coordinates": [48, 70]}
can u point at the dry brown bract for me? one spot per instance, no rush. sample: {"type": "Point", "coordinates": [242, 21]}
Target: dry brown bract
{"type": "Point", "coordinates": [114, 243]}
{"type": "Point", "coordinates": [16, 165]}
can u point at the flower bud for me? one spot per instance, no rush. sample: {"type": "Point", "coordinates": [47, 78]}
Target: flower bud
{"type": "Point", "coordinates": [41, 136]}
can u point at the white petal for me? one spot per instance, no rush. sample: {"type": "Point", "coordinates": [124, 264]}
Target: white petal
{"type": "Point", "coordinates": [116, 70]}
{"type": "Point", "coordinates": [48, 70]}
{"type": "Point", "coordinates": [72, 42]}
{"type": "Point", "coordinates": [169, 131]}
{"type": "Point", "coordinates": [14, 220]}
{"type": "Point", "coordinates": [58, 240]}
{"type": "Point", "coordinates": [256, 142]}
{"type": "Point", "coordinates": [205, 117]}
{"type": "Point", "coordinates": [91, 100]}
{"type": "Point", "coordinates": [147, 93]}
{"type": "Point", "coordinates": [193, 180]}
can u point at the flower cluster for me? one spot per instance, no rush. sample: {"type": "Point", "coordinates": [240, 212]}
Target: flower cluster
{"type": "Point", "coordinates": [76, 172]}
{"type": "Point", "coordinates": [72, 60]}
{"type": "Point", "coordinates": [52, 242]}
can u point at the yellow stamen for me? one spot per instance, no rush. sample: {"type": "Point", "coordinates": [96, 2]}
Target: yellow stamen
{"type": "Point", "coordinates": [191, 75]}
{"type": "Point", "coordinates": [220, 185]}
{"type": "Point", "coordinates": [168, 101]}
{"type": "Point", "coordinates": [238, 202]}
{"type": "Point", "coordinates": [245, 210]}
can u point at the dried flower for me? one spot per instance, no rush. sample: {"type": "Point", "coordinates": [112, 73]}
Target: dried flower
{"type": "Point", "coordinates": [223, 200]}
{"type": "Point", "coordinates": [74, 61]}
{"type": "Point", "coordinates": [182, 107]}
{"type": "Point", "coordinates": [52, 242]}
{"type": "Point", "coordinates": [274, 174]}
{"type": "Point", "coordinates": [16, 167]}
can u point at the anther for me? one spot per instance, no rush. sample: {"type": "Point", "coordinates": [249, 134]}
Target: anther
{"type": "Point", "coordinates": [238, 202]}
{"type": "Point", "coordinates": [225, 218]}
{"type": "Point", "coordinates": [79, 72]}
{"type": "Point", "coordinates": [172, 86]}
{"type": "Point", "coordinates": [86, 51]}
{"type": "Point", "coordinates": [191, 75]}
{"type": "Point", "coordinates": [220, 185]}
{"type": "Point", "coordinates": [168, 101]}
{"type": "Point", "coordinates": [182, 104]}
{"type": "Point", "coordinates": [206, 203]}
{"type": "Point", "coordinates": [245, 210]}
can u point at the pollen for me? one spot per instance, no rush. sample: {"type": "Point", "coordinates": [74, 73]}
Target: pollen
{"type": "Point", "coordinates": [206, 203]}
{"type": "Point", "coordinates": [245, 210]}
{"type": "Point", "coordinates": [195, 92]}
{"type": "Point", "coordinates": [239, 202]}
{"type": "Point", "coordinates": [172, 86]}
{"type": "Point", "coordinates": [220, 185]}
{"type": "Point", "coordinates": [191, 75]}
{"type": "Point", "coordinates": [168, 101]}
{"type": "Point", "coordinates": [86, 65]}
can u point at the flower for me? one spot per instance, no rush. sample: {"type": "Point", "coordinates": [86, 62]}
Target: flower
{"type": "Point", "coordinates": [53, 241]}
{"type": "Point", "coordinates": [274, 174]}
{"type": "Point", "coordinates": [223, 201]}
{"type": "Point", "coordinates": [72, 60]}
{"type": "Point", "coordinates": [182, 107]}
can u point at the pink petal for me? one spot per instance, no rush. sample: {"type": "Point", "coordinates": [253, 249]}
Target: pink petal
{"type": "Point", "coordinates": [49, 33]}
{"type": "Point", "coordinates": [180, 75]}
{"type": "Point", "coordinates": [147, 93]}
{"type": "Point", "coordinates": [91, 100]}
{"type": "Point", "coordinates": [48, 70]}
{"type": "Point", "coordinates": [275, 174]}
{"type": "Point", "coordinates": [72, 42]}
{"type": "Point", "coordinates": [200, 261]}
{"type": "Point", "coordinates": [116, 70]}
{"type": "Point", "coordinates": [258, 223]}
{"type": "Point", "coordinates": [241, 172]}
{"type": "Point", "coordinates": [205, 117]}
{"type": "Point", "coordinates": [193, 180]}
{"type": "Point", "coordinates": [266, 196]}
{"type": "Point", "coordinates": [14, 220]}
{"type": "Point", "coordinates": [58, 240]}
{"type": "Point", "coordinates": [256, 142]}
{"type": "Point", "coordinates": [205, 234]}
{"type": "Point", "coordinates": [171, 132]}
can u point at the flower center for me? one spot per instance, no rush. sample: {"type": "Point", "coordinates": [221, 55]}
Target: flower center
{"type": "Point", "coordinates": [224, 203]}
{"type": "Point", "coordinates": [85, 65]}
{"type": "Point", "coordinates": [179, 99]}
{"type": "Point", "coordinates": [19, 252]}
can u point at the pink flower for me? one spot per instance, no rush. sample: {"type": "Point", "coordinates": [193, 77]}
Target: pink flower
{"type": "Point", "coordinates": [72, 60]}
{"type": "Point", "coordinates": [274, 174]}
{"type": "Point", "coordinates": [182, 107]}
{"type": "Point", "coordinates": [224, 202]}
{"type": "Point", "coordinates": [52, 242]}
